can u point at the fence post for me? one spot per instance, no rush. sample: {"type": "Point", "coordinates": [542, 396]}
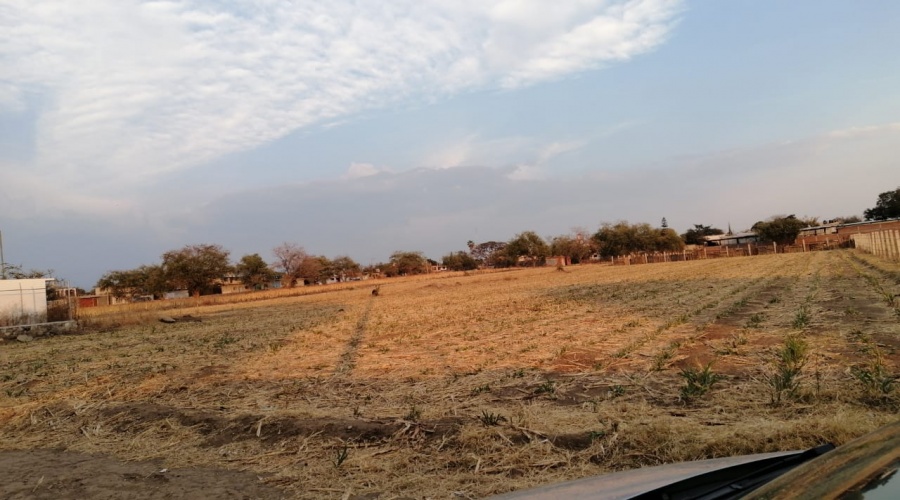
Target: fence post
{"type": "Point", "coordinates": [775, 247]}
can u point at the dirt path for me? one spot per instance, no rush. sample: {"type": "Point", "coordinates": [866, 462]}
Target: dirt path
{"type": "Point", "coordinates": [61, 475]}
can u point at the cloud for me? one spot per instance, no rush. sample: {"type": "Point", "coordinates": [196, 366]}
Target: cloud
{"type": "Point", "coordinates": [136, 89]}
{"type": "Point", "coordinates": [357, 170]}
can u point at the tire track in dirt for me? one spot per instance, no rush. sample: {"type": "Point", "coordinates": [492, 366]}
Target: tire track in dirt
{"type": "Point", "coordinates": [347, 361]}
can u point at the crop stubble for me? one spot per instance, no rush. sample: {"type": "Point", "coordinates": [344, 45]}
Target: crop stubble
{"type": "Point", "coordinates": [403, 393]}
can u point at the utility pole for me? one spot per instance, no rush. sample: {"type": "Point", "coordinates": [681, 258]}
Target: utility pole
{"type": "Point", "coordinates": [2, 262]}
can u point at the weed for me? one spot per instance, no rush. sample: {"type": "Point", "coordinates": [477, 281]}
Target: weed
{"type": "Point", "coordinates": [488, 419]}
{"type": "Point", "coordinates": [224, 340]}
{"type": "Point", "coordinates": [519, 373]}
{"type": "Point", "coordinates": [341, 456]}
{"type": "Point", "coordinates": [698, 381]}
{"type": "Point", "coordinates": [481, 388]}
{"type": "Point", "coordinates": [877, 381]}
{"type": "Point", "coordinates": [663, 357]}
{"type": "Point", "coordinates": [548, 387]}
{"type": "Point", "coordinates": [755, 320]}
{"type": "Point", "coordinates": [413, 415]}
{"type": "Point", "coordinates": [802, 318]}
{"type": "Point", "coordinates": [774, 300]}
{"type": "Point", "coordinates": [616, 391]}
{"type": "Point", "coordinates": [595, 435]}
{"type": "Point", "coordinates": [788, 367]}
{"type": "Point", "coordinates": [851, 312]}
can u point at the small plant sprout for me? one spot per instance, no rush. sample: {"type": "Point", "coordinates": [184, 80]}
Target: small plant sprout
{"type": "Point", "coordinates": [489, 419]}
{"type": "Point", "coordinates": [413, 415]}
{"type": "Point", "coordinates": [802, 318]}
{"type": "Point", "coordinates": [697, 381]}
{"type": "Point", "coordinates": [548, 387]}
{"type": "Point", "coordinates": [341, 456]}
{"type": "Point", "coordinates": [788, 367]}
{"type": "Point", "coordinates": [874, 376]}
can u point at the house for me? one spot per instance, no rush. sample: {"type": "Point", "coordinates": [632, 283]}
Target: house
{"type": "Point", "coordinates": [731, 239]}
{"type": "Point", "coordinates": [231, 283]}
{"type": "Point", "coordinates": [557, 261]}
{"type": "Point", "coordinates": [829, 228]}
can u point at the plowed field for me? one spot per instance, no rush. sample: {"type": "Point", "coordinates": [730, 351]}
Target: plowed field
{"type": "Point", "coordinates": [462, 385]}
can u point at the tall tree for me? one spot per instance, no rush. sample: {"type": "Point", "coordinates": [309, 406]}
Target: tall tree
{"type": "Point", "coordinates": [289, 257]}
{"type": "Point", "coordinates": [17, 272]}
{"type": "Point", "coordinates": [253, 271]}
{"type": "Point", "coordinates": [780, 229]}
{"type": "Point", "coordinates": [529, 245]}
{"type": "Point", "coordinates": [196, 268]}
{"type": "Point", "coordinates": [577, 248]}
{"type": "Point", "coordinates": [489, 253]}
{"type": "Point", "coordinates": [409, 262]}
{"type": "Point", "coordinates": [460, 261]}
{"type": "Point", "coordinates": [345, 268]}
{"type": "Point", "coordinates": [697, 234]}
{"type": "Point", "coordinates": [622, 238]}
{"type": "Point", "coordinates": [887, 206]}
{"type": "Point", "coordinates": [145, 280]}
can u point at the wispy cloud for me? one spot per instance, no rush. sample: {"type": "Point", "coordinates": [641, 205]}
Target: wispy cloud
{"type": "Point", "coordinates": [134, 89]}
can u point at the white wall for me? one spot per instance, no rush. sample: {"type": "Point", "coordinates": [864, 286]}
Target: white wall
{"type": "Point", "coordinates": [26, 299]}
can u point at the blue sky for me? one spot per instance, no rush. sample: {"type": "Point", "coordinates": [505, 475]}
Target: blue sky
{"type": "Point", "coordinates": [130, 128]}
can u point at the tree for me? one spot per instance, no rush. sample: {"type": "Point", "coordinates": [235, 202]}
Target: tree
{"type": "Point", "coordinates": [345, 268]}
{"type": "Point", "coordinates": [316, 270]}
{"type": "Point", "coordinates": [528, 245]}
{"type": "Point", "coordinates": [253, 271]}
{"type": "Point", "coordinates": [695, 236]}
{"type": "Point", "coordinates": [409, 262]}
{"type": "Point", "coordinates": [17, 272]}
{"type": "Point", "coordinates": [577, 248]}
{"type": "Point", "coordinates": [667, 240]}
{"type": "Point", "coordinates": [196, 268]}
{"type": "Point", "coordinates": [289, 257]}
{"type": "Point", "coordinates": [622, 238]}
{"type": "Point", "coordinates": [460, 261]}
{"type": "Point", "coordinates": [664, 223]}
{"type": "Point", "coordinates": [780, 229]}
{"type": "Point", "coordinates": [489, 253]}
{"type": "Point", "coordinates": [887, 206]}
{"type": "Point", "coordinates": [145, 280]}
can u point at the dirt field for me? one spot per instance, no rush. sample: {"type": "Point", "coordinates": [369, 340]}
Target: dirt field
{"type": "Point", "coordinates": [457, 386]}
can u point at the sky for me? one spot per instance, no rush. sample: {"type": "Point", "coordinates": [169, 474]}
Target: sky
{"type": "Point", "coordinates": [129, 128]}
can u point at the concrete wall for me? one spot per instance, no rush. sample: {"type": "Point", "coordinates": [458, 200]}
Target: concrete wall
{"type": "Point", "coordinates": [885, 244]}
{"type": "Point", "coordinates": [23, 301]}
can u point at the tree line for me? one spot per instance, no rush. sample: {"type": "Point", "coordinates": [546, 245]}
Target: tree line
{"type": "Point", "coordinates": [199, 269]}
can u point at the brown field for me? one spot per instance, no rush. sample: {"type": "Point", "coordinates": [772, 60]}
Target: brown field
{"type": "Point", "coordinates": [460, 385]}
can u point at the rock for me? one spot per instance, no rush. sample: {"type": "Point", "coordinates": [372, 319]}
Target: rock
{"type": "Point", "coordinates": [167, 319]}
{"type": "Point", "coordinates": [24, 338]}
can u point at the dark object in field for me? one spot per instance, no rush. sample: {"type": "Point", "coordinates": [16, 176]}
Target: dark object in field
{"type": "Point", "coordinates": [187, 318]}
{"type": "Point", "coordinates": [375, 291]}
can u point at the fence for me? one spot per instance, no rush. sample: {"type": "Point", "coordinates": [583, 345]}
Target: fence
{"type": "Point", "coordinates": [716, 252]}
{"type": "Point", "coordinates": [885, 244]}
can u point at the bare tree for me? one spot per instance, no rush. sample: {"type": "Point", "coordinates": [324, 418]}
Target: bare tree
{"type": "Point", "coordinates": [289, 261]}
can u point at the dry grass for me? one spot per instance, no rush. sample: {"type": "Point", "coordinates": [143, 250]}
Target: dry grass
{"type": "Point", "coordinates": [469, 385]}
